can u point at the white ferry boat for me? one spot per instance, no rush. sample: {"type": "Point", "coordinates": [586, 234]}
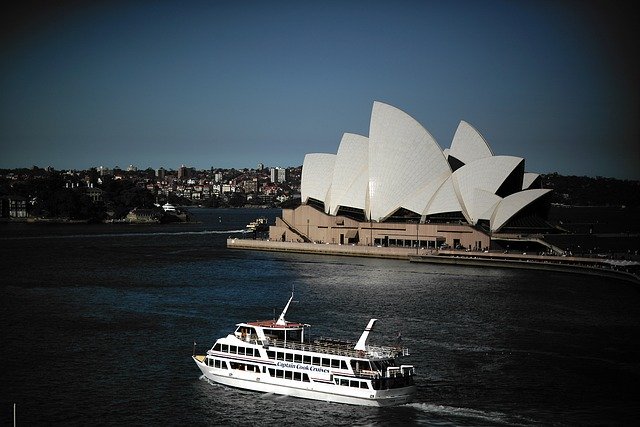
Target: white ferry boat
{"type": "Point", "coordinates": [276, 356]}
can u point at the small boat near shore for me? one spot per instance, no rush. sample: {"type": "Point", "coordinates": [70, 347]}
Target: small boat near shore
{"type": "Point", "coordinates": [259, 224]}
{"type": "Point", "coordinates": [277, 356]}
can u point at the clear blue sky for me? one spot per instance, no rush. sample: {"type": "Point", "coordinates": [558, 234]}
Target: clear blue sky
{"type": "Point", "coordinates": [237, 83]}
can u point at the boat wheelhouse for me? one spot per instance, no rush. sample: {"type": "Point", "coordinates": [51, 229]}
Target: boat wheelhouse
{"type": "Point", "coordinates": [278, 356]}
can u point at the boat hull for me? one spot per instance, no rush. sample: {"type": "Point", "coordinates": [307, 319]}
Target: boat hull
{"type": "Point", "coordinates": [323, 391]}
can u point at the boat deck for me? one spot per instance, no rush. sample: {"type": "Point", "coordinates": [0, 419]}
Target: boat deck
{"type": "Point", "coordinates": [340, 348]}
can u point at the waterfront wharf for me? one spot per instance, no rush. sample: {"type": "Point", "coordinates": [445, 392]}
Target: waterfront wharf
{"type": "Point", "coordinates": [569, 264]}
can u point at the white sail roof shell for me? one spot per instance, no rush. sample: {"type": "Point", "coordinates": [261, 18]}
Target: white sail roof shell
{"type": "Point", "coordinates": [514, 203]}
{"type": "Point", "coordinates": [419, 200]}
{"type": "Point", "coordinates": [528, 179]}
{"type": "Point", "coordinates": [445, 199]}
{"type": "Point", "coordinates": [468, 145]}
{"type": "Point", "coordinates": [485, 174]}
{"type": "Point", "coordinates": [403, 157]}
{"type": "Point", "coordinates": [483, 206]}
{"type": "Point", "coordinates": [350, 173]}
{"type": "Point", "coordinates": [317, 173]}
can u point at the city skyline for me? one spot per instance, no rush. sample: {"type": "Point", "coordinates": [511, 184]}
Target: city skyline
{"type": "Point", "coordinates": [234, 84]}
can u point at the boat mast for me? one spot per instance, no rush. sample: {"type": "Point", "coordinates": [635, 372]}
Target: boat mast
{"type": "Point", "coordinates": [362, 342]}
{"type": "Point", "coordinates": [281, 320]}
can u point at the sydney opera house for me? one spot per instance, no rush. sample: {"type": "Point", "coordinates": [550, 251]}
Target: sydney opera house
{"type": "Point", "coordinates": [398, 187]}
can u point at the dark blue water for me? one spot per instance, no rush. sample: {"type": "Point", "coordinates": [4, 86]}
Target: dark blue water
{"type": "Point", "coordinates": [98, 325]}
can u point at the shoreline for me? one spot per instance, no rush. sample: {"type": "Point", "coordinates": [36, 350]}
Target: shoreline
{"type": "Point", "coordinates": [577, 265]}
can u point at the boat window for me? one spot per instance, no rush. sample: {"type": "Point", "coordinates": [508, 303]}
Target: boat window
{"type": "Point", "coordinates": [307, 360]}
{"type": "Point", "coordinates": [354, 383]}
{"type": "Point", "coordinates": [277, 333]}
{"type": "Point", "coordinates": [316, 360]}
{"type": "Point", "coordinates": [293, 335]}
{"type": "Point", "coordinates": [272, 372]}
{"type": "Point", "coordinates": [233, 349]}
{"type": "Point", "coordinates": [241, 350]}
{"type": "Point", "coordinates": [288, 357]}
{"type": "Point", "coordinates": [217, 347]}
{"type": "Point", "coordinates": [271, 354]}
{"type": "Point", "coordinates": [335, 363]}
{"type": "Point", "coordinates": [343, 364]}
{"type": "Point", "coordinates": [297, 358]}
{"type": "Point", "coordinates": [279, 373]}
{"type": "Point", "coordinates": [344, 382]}
{"type": "Point", "coordinates": [297, 376]}
{"type": "Point", "coordinates": [326, 362]}
{"type": "Point", "coordinates": [225, 348]}
{"type": "Point", "coordinates": [288, 375]}
{"type": "Point", "coordinates": [280, 355]}
{"type": "Point", "coordinates": [363, 384]}
{"type": "Point", "coordinates": [238, 366]}
{"type": "Point", "coordinates": [305, 378]}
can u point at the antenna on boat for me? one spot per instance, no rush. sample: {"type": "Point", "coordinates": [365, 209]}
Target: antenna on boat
{"type": "Point", "coordinates": [362, 342]}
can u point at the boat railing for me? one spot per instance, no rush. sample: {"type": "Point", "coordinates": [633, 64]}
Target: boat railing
{"type": "Point", "coordinates": [391, 372]}
{"type": "Point", "coordinates": [313, 347]}
{"type": "Point", "coordinates": [339, 349]}
{"type": "Point", "coordinates": [365, 373]}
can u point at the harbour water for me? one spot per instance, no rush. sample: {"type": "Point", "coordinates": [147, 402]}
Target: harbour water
{"type": "Point", "coordinates": [99, 323]}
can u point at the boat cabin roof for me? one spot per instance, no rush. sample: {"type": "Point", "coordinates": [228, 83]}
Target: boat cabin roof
{"type": "Point", "coordinates": [273, 324]}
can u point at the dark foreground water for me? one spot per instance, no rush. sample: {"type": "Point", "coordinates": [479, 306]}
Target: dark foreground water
{"type": "Point", "coordinates": [98, 324]}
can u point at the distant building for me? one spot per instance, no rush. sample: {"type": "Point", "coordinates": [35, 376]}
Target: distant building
{"type": "Point", "coordinates": [160, 174]}
{"type": "Point", "coordinates": [104, 171]}
{"type": "Point", "coordinates": [185, 172]}
{"type": "Point", "coordinates": [279, 175]}
{"type": "Point", "coordinates": [17, 207]}
{"type": "Point", "coordinates": [94, 193]}
{"type": "Point", "coordinates": [250, 185]}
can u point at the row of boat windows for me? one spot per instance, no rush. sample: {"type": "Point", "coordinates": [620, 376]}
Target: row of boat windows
{"type": "Point", "coordinates": [284, 356]}
{"type": "Point", "coordinates": [377, 384]}
{"type": "Point", "coordinates": [235, 349]}
{"type": "Point", "coordinates": [289, 375]}
{"type": "Point", "coordinates": [276, 373]}
{"type": "Point", "coordinates": [307, 360]}
{"type": "Point", "coordinates": [217, 363]}
{"type": "Point", "coordinates": [350, 383]}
